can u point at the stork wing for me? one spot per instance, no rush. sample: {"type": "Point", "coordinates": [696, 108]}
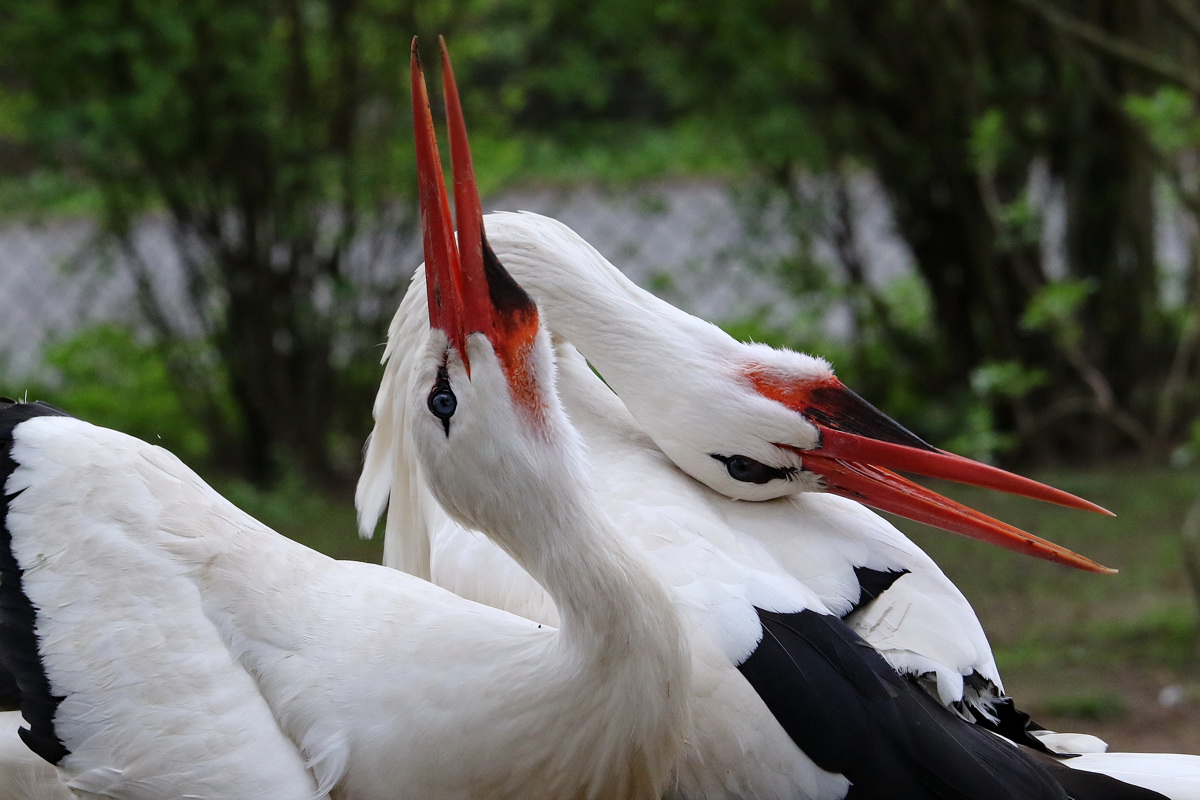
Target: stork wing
{"type": "Point", "coordinates": [127, 685]}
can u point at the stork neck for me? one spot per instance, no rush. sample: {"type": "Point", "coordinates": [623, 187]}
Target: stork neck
{"type": "Point", "coordinates": [626, 332]}
{"type": "Point", "coordinates": [610, 604]}
{"type": "Point", "coordinates": [619, 665]}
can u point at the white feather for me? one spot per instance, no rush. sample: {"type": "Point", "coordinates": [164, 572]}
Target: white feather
{"type": "Point", "coordinates": [24, 775]}
{"type": "Point", "coordinates": [1176, 776]}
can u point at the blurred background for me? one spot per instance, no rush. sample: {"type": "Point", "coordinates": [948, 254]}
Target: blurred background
{"type": "Point", "coordinates": [983, 212]}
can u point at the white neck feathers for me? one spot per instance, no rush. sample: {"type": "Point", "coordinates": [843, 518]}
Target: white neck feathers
{"type": "Point", "coordinates": [585, 299]}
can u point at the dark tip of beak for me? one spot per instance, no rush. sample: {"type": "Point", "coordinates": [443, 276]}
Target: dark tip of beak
{"type": "Point", "coordinates": [836, 407]}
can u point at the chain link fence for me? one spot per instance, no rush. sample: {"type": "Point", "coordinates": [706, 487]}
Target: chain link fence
{"type": "Point", "coordinates": [690, 242]}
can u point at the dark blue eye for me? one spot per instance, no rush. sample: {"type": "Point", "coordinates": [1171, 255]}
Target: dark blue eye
{"type": "Point", "coordinates": [442, 403]}
{"type": "Point", "coordinates": [747, 470]}
{"type": "Point", "coordinates": [743, 469]}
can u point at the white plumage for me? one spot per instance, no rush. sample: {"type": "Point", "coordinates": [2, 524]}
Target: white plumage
{"type": "Point", "coordinates": [1174, 776]}
{"type": "Point", "coordinates": [723, 559]}
{"type": "Point", "coordinates": [154, 702]}
{"type": "Point", "coordinates": [808, 542]}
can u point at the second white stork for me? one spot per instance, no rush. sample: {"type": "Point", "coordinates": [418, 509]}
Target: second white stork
{"type": "Point", "coordinates": [751, 422]}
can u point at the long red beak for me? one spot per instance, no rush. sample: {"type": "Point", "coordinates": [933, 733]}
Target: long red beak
{"type": "Point", "coordinates": [443, 270]}
{"type": "Point", "coordinates": [860, 446]}
{"type": "Point", "coordinates": [468, 290]}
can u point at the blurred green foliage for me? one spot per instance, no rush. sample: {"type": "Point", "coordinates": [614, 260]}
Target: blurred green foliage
{"type": "Point", "coordinates": [1169, 117]}
{"type": "Point", "coordinates": [1055, 308]}
{"type": "Point", "coordinates": [270, 136]}
{"type": "Point", "coordinates": [127, 91]}
{"type": "Point", "coordinates": [108, 375]}
{"type": "Point", "coordinates": [275, 135]}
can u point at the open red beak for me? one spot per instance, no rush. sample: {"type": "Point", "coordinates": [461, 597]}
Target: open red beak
{"type": "Point", "coordinates": [860, 446]}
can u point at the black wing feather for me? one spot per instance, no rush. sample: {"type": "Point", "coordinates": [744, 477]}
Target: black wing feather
{"type": "Point", "coordinates": [19, 654]}
{"type": "Point", "coordinates": [1005, 718]}
{"type": "Point", "coordinates": [872, 583]}
{"type": "Point", "coordinates": [10, 695]}
{"type": "Point", "coordinates": [849, 711]}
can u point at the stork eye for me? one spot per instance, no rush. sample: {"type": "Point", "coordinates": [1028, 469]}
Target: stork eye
{"type": "Point", "coordinates": [442, 402]}
{"type": "Point", "coordinates": [747, 470]}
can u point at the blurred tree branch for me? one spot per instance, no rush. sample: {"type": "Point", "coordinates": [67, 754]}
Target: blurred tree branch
{"type": "Point", "coordinates": [268, 133]}
{"type": "Point", "coordinates": [1116, 47]}
{"type": "Point", "coordinates": [1188, 14]}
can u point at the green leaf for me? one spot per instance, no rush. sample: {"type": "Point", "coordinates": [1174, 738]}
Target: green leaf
{"type": "Point", "coordinates": [1009, 379]}
{"type": "Point", "coordinates": [1169, 117]}
{"type": "Point", "coordinates": [1056, 304]}
{"type": "Point", "coordinates": [988, 140]}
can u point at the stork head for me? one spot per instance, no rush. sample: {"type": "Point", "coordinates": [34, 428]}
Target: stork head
{"type": "Point", "coordinates": [758, 423]}
{"type": "Point", "coordinates": [492, 428]}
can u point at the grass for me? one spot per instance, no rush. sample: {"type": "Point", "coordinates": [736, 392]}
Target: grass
{"type": "Point", "coordinates": [1112, 655]}
{"type": "Point", "coordinates": [1018, 595]}
{"type": "Point", "coordinates": [320, 520]}
{"type": "Point", "coordinates": [1088, 705]}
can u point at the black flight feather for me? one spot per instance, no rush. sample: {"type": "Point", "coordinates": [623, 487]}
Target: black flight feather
{"type": "Point", "coordinates": [19, 654]}
{"type": "Point", "coordinates": [853, 714]}
{"type": "Point", "coordinates": [872, 583]}
{"type": "Point", "coordinates": [1005, 718]}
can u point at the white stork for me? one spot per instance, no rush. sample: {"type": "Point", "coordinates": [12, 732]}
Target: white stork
{"type": "Point", "coordinates": [751, 423]}
{"type": "Point", "coordinates": [167, 645]}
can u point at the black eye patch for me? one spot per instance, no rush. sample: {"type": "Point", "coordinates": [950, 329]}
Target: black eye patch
{"type": "Point", "coordinates": [747, 470]}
